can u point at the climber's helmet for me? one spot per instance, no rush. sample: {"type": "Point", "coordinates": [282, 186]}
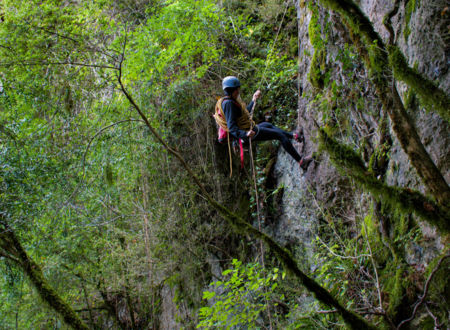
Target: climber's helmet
{"type": "Point", "coordinates": [230, 82]}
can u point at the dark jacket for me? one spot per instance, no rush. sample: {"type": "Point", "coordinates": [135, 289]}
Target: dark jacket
{"type": "Point", "coordinates": [232, 113]}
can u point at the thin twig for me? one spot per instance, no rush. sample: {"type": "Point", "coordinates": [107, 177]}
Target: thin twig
{"type": "Point", "coordinates": [377, 282]}
{"type": "Point", "coordinates": [425, 292]}
{"type": "Point", "coordinates": [10, 257]}
{"type": "Point", "coordinates": [75, 41]}
{"type": "Point", "coordinates": [436, 322]}
{"type": "Point", "coordinates": [100, 132]}
{"type": "Point", "coordinates": [332, 311]}
{"type": "Point", "coordinates": [8, 64]}
{"type": "Point", "coordinates": [341, 256]}
{"type": "Point", "coordinates": [327, 312]}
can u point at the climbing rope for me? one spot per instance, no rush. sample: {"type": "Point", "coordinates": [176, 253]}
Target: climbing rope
{"type": "Point", "coordinates": [258, 213]}
{"type": "Point", "coordinates": [246, 122]}
{"type": "Point", "coordinates": [253, 124]}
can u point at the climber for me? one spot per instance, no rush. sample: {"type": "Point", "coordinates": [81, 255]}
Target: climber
{"type": "Point", "coordinates": [232, 116]}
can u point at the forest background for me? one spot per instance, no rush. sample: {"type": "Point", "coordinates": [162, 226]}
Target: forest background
{"type": "Point", "coordinates": [101, 226]}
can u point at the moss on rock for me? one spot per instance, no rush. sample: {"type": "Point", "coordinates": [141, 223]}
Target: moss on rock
{"type": "Point", "coordinates": [316, 74]}
{"type": "Point", "coordinates": [403, 199]}
{"type": "Point", "coordinates": [410, 7]}
{"type": "Point", "coordinates": [430, 95]}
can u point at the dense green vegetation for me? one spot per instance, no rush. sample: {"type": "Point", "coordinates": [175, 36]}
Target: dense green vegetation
{"type": "Point", "coordinates": [101, 227]}
{"type": "Point", "coordinates": [91, 196]}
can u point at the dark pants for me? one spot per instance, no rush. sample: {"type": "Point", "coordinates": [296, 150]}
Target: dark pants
{"type": "Point", "coordinates": [266, 131]}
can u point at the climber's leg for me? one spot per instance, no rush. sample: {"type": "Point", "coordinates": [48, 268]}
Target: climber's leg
{"type": "Point", "coordinates": [269, 132]}
{"type": "Point", "coordinates": [269, 125]}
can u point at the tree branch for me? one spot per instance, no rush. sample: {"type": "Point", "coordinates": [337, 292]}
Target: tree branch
{"type": "Point", "coordinates": [46, 292]}
{"type": "Point", "coordinates": [435, 319]}
{"type": "Point", "coordinates": [375, 56]}
{"type": "Point", "coordinates": [387, 21]}
{"type": "Point", "coordinates": [425, 292]}
{"type": "Point", "coordinates": [404, 199]}
{"type": "Point", "coordinates": [9, 64]}
{"type": "Point", "coordinates": [430, 95]}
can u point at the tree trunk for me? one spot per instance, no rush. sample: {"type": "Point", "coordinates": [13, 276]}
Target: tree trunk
{"type": "Point", "coordinates": [47, 293]}
{"type": "Point", "coordinates": [381, 72]}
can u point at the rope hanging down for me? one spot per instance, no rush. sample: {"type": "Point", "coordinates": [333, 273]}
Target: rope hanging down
{"type": "Point", "coordinates": [258, 213]}
{"type": "Point", "coordinates": [253, 124]}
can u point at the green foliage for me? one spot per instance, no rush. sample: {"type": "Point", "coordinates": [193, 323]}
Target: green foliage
{"type": "Point", "coordinates": [102, 209]}
{"type": "Point", "coordinates": [239, 299]}
{"type": "Point", "coordinates": [181, 39]}
{"type": "Point", "coordinates": [99, 206]}
{"type": "Point", "coordinates": [75, 172]}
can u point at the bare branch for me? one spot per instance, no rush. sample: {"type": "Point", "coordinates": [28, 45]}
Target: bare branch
{"type": "Point", "coordinates": [9, 64]}
{"type": "Point", "coordinates": [327, 312]}
{"type": "Point", "coordinates": [425, 292]}
{"type": "Point", "coordinates": [436, 321]}
{"type": "Point", "coordinates": [75, 41]}
{"type": "Point", "coordinates": [387, 21]}
{"type": "Point", "coordinates": [10, 257]}
{"type": "Point", "coordinates": [99, 308]}
{"type": "Point", "coordinates": [341, 256]}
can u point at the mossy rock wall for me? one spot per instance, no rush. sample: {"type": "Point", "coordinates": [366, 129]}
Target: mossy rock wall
{"type": "Point", "coordinates": [346, 105]}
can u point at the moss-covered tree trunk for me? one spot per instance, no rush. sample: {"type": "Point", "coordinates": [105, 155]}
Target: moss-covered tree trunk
{"type": "Point", "coordinates": [376, 59]}
{"type": "Point", "coordinates": [34, 273]}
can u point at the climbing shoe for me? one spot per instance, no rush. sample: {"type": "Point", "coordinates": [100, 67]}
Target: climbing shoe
{"type": "Point", "coordinates": [304, 162]}
{"type": "Point", "coordinates": [298, 136]}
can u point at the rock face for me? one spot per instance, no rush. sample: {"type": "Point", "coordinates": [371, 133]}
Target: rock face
{"type": "Point", "coordinates": [425, 22]}
{"type": "Point", "coordinates": [419, 31]}
{"type": "Point", "coordinates": [294, 226]}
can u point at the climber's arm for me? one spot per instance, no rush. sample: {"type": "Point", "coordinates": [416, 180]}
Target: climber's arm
{"type": "Point", "coordinates": [256, 96]}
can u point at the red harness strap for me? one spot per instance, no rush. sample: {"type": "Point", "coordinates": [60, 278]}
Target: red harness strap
{"type": "Point", "coordinates": [242, 153]}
